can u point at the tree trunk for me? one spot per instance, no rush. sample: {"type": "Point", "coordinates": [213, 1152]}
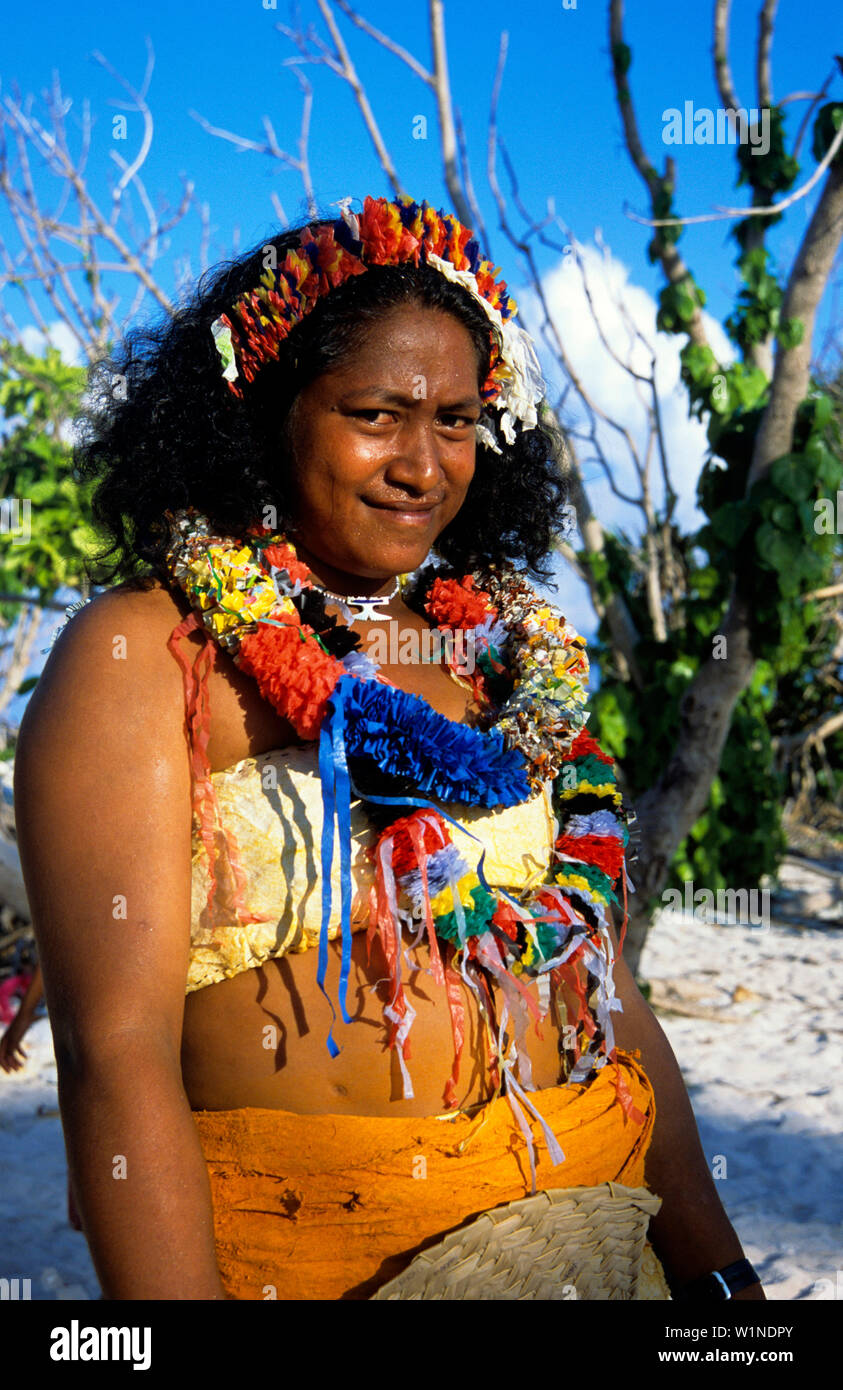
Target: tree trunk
{"type": "Point", "coordinates": [28, 624]}
{"type": "Point", "coordinates": [668, 810]}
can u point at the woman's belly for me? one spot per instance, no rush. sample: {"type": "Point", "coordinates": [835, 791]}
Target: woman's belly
{"type": "Point", "coordinates": [259, 1039]}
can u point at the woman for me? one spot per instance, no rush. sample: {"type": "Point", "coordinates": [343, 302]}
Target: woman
{"type": "Point", "coordinates": [277, 462]}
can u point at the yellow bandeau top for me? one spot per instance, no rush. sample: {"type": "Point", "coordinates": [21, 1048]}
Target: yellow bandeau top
{"type": "Point", "coordinates": [270, 825]}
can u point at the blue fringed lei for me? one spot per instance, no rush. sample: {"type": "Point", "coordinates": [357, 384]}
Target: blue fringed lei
{"type": "Point", "coordinates": [403, 736]}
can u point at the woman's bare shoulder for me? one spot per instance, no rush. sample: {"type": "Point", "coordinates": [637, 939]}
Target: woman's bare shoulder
{"type": "Point", "coordinates": [111, 663]}
{"type": "Point", "coordinates": [112, 675]}
{"type": "Point", "coordinates": [120, 624]}
{"type": "Point", "coordinates": [150, 614]}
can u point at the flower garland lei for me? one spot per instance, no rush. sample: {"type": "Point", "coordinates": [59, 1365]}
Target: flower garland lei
{"type": "Point", "coordinates": [255, 598]}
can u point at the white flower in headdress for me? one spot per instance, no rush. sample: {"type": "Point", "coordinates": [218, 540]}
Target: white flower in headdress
{"type": "Point", "coordinates": [349, 218]}
{"type": "Point", "coordinates": [485, 434]}
{"type": "Point", "coordinates": [522, 384]}
{"type": "Point", "coordinates": [225, 348]}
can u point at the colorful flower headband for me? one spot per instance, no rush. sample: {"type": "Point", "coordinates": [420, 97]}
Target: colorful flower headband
{"type": "Point", "coordinates": [329, 253]}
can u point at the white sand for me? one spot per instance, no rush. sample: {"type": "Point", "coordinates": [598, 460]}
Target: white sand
{"type": "Point", "coordinates": [764, 1075]}
{"type": "Point", "coordinates": [765, 1082]}
{"type": "Point", "coordinates": [36, 1241]}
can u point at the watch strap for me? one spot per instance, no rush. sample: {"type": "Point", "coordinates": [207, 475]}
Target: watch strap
{"type": "Point", "coordinates": [720, 1285]}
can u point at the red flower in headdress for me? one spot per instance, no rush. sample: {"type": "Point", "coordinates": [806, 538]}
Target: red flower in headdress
{"type": "Point", "coordinates": [458, 235]}
{"type": "Point", "coordinates": [386, 239]}
{"type": "Point", "coordinates": [486, 283]}
{"type": "Point", "coordinates": [507, 919]}
{"type": "Point", "coordinates": [435, 232]}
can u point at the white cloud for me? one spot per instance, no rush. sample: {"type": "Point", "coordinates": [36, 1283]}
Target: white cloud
{"type": "Point", "coordinates": [60, 337]}
{"type": "Point", "coordinates": [613, 390]}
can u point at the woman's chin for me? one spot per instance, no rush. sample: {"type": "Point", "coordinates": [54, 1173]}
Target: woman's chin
{"type": "Point", "coordinates": [380, 561]}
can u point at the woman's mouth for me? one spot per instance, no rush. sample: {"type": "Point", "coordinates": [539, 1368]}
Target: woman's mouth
{"type": "Point", "coordinates": [406, 513]}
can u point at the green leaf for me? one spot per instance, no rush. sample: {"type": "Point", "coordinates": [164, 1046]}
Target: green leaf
{"type": "Point", "coordinates": [777, 549]}
{"type": "Point", "coordinates": [705, 581]}
{"type": "Point", "coordinates": [730, 521]}
{"type": "Point", "coordinates": [826, 126]}
{"type": "Point", "coordinates": [823, 410]}
{"type": "Point", "coordinates": [622, 55]}
{"type": "Point", "coordinates": [86, 540]}
{"type": "Point", "coordinates": [793, 476]}
{"type": "Point", "coordinates": [783, 516]}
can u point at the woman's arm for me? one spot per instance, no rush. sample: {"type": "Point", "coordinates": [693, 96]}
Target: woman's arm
{"type": "Point", "coordinates": [103, 812]}
{"type": "Point", "coordinates": [692, 1233]}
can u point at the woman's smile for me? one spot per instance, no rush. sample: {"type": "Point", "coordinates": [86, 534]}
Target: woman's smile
{"type": "Point", "coordinates": [404, 513]}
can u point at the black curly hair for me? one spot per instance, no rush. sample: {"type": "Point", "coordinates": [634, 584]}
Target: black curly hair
{"type": "Point", "coordinates": [161, 429]}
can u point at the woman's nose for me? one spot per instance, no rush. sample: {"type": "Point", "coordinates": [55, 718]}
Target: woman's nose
{"type": "Point", "coordinates": [417, 463]}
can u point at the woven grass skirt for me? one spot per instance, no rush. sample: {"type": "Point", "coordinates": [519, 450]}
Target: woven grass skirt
{"type": "Point", "coordinates": [315, 1207]}
{"type": "Point", "coordinates": [575, 1243]}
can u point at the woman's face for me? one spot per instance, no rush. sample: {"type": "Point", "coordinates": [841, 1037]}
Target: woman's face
{"type": "Point", "coordinates": [383, 448]}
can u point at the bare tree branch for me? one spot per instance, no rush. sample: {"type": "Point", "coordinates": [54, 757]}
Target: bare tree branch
{"type": "Point", "coordinates": [242, 142]}
{"type": "Point", "coordinates": [389, 44]}
{"type": "Point", "coordinates": [816, 734]}
{"type": "Point", "coordinates": [138, 103]}
{"type": "Point", "coordinates": [655, 601]}
{"type": "Point", "coordinates": [766, 22]}
{"type": "Point", "coordinates": [349, 72]}
{"type": "Point", "coordinates": [279, 210]}
{"type": "Point", "coordinates": [27, 212]}
{"type": "Point", "coordinates": [798, 96]}
{"type": "Point", "coordinates": [621, 626]}
{"type": "Point", "coordinates": [304, 135]}
{"type": "Point", "coordinates": [722, 70]}
{"type": "Point", "coordinates": [657, 185]}
{"type": "Point", "coordinates": [723, 214]}
{"type": "Point", "coordinates": [831, 591]}
{"type": "Point", "coordinates": [624, 635]}
{"type": "Point", "coordinates": [447, 128]}
{"type": "Point", "coordinates": [23, 209]}
{"type": "Point", "coordinates": [270, 146]}
{"type": "Point", "coordinates": [806, 119]}
{"type": "Point", "coordinates": [476, 219]}
{"type": "Point", "coordinates": [652, 408]}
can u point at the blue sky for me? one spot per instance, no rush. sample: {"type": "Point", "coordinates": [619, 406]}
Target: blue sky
{"type": "Point", "coordinates": [557, 114]}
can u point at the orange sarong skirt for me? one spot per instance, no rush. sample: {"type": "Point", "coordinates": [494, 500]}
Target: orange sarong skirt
{"type": "Point", "coordinates": [334, 1206]}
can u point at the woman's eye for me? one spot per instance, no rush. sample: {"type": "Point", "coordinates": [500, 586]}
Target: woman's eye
{"type": "Point", "coordinates": [458, 421]}
{"type": "Point", "coordinates": [380, 416]}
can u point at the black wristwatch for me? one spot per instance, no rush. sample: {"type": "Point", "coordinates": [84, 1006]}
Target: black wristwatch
{"type": "Point", "coordinates": [719, 1286]}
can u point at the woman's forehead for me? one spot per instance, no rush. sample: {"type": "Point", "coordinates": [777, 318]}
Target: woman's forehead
{"type": "Point", "coordinates": [411, 339]}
